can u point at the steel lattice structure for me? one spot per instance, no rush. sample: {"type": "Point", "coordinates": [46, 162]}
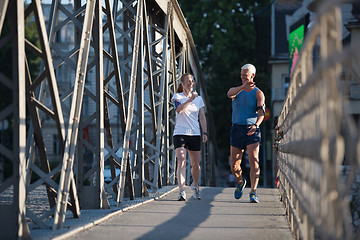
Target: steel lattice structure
{"type": "Point", "coordinates": [124, 62]}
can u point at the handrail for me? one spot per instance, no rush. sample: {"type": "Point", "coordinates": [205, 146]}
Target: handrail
{"type": "Point", "coordinates": [313, 132]}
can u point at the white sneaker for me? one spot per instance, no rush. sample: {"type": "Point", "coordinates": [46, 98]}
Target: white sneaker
{"type": "Point", "coordinates": [196, 190]}
{"type": "Point", "coordinates": [182, 196]}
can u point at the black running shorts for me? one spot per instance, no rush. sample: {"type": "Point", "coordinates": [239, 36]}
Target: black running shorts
{"type": "Point", "coordinates": [192, 143]}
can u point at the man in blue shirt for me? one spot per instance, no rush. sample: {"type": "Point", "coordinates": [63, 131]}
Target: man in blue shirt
{"type": "Point", "coordinates": [248, 111]}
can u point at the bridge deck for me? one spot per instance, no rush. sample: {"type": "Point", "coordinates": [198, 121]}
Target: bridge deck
{"type": "Point", "coordinates": [217, 216]}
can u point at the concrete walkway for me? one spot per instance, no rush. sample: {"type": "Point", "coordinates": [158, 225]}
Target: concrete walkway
{"type": "Point", "coordinates": [216, 216]}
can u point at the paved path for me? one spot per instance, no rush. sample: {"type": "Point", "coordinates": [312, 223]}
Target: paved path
{"type": "Point", "coordinates": [217, 216]}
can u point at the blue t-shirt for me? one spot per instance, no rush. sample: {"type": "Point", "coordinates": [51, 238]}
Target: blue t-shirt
{"type": "Point", "coordinates": [244, 108]}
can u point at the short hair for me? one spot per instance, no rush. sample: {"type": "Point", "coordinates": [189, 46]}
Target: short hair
{"type": "Point", "coordinates": [251, 68]}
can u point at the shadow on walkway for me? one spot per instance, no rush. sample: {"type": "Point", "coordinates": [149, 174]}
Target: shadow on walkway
{"type": "Point", "coordinates": [192, 214]}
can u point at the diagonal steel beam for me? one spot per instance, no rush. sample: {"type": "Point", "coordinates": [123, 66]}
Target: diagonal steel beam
{"type": "Point", "coordinates": [163, 82]}
{"type": "Point", "coordinates": [3, 8]}
{"type": "Point", "coordinates": [134, 71]}
{"type": "Point", "coordinates": [66, 178]}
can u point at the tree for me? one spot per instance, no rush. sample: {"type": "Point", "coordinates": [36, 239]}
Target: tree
{"type": "Point", "coordinates": [224, 35]}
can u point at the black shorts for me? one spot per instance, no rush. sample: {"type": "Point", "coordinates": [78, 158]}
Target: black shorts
{"type": "Point", "coordinates": [192, 143]}
{"type": "Point", "coordinates": [239, 137]}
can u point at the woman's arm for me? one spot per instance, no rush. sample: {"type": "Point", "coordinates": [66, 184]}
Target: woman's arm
{"type": "Point", "coordinates": [184, 105]}
{"type": "Point", "coordinates": [203, 124]}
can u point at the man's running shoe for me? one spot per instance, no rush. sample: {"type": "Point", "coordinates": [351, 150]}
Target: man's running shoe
{"type": "Point", "coordinates": [253, 198]}
{"type": "Point", "coordinates": [239, 190]}
{"type": "Point", "coordinates": [196, 191]}
{"type": "Point", "coordinates": [182, 196]}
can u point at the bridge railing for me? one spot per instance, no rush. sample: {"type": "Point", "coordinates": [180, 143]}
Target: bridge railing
{"type": "Point", "coordinates": [317, 142]}
{"type": "Point", "coordinates": [108, 72]}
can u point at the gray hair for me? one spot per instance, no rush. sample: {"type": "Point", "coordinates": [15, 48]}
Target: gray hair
{"type": "Point", "coordinates": [251, 68]}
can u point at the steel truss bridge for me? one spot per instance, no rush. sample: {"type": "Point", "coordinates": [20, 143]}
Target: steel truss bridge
{"type": "Point", "coordinates": [148, 47]}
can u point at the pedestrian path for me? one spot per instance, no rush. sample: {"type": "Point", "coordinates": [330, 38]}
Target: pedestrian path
{"type": "Point", "coordinates": [91, 217]}
{"type": "Point", "coordinates": [216, 216]}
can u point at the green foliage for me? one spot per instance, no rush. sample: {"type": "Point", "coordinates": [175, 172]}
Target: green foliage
{"type": "Point", "coordinates": [224, 35]}
{"type": "Point", "coordinates": [31, 34]}
{"type": "Point", "coordinates": [6, 58]}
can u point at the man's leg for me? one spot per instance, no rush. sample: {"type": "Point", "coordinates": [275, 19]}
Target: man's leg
{"type": "Point", "coordinates": [181, 166]}
{"type": "Point", "coordinates": [253, 151]}
{"type": "Point", "coordinates": [235, 161]}
{"type": "Point", "coordinates": [195, 166]}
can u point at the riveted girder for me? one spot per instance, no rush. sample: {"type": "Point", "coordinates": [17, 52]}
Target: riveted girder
{"type": "Point", "coordinates": [100, 117]}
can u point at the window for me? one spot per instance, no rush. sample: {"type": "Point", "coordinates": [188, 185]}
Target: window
{"type": "Point", "coordinates": [85, 106]}
{"type": "Point", "coordinates": [56, 145]}
{"type": "Point", "coordinates": [286, 84]}
{"type": "Point", "coordinates": [58, 36]}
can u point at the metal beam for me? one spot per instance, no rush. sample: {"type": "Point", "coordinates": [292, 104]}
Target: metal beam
{"type": "Point", "coordinates": [13, 215]}
{"type": "Point", "coordinates": [67, 177]}
{"type": "Point", "coordinates": [125, 95]}
{"type": "Point", "coordinates": [3, 8]}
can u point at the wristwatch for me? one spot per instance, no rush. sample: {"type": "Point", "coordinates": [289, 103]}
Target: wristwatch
{"type": "Point", "coordinates": [206, 133]}
{"type": "Point", "coordinates": [257, 126]}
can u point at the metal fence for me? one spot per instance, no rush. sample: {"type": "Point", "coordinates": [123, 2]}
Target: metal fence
{"type": "Point", "coordinates": [148, 47]}
{"type": "Point", "coordinates": [317, 141]}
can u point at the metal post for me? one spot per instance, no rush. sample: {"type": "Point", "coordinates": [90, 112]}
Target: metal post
{"type": "Point", "coordinates": [12, 219]}
{"type": "Point", "coordinates": [134, 68]}
{"type": "Point", "coordinates": [67, 177]}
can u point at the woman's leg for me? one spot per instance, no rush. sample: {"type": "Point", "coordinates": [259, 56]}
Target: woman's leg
{"type": "Point", "coordinates": [195, 166]}
{"type": "Point", "coordinates": [181, 166]}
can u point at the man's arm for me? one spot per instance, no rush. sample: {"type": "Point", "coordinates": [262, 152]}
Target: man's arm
{"type": "Point", "coordinates": [261, 113]}
{"type": "Point", "coordinates": [260, 103]}
{"type": "Point", "coordinates": [235, 90]}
